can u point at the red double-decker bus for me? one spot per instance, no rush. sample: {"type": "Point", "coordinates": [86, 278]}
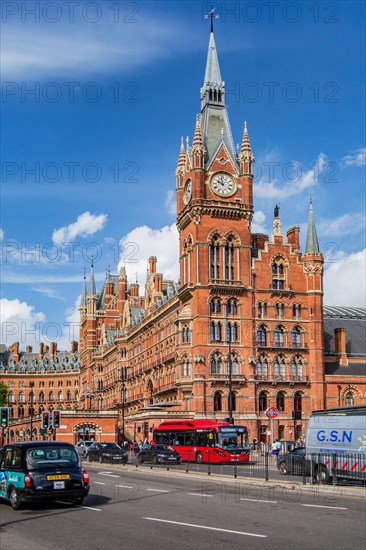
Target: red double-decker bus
{"type": "Point", "coordinates": [205, 440]}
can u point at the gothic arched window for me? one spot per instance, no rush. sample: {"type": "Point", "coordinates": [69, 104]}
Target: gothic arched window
{"type": "Point", "coordinates": [215, 258]}
{"type": "Point", "coordinates": [279, 337]}
{"type": "Point", "coordinates": [262, 401]}
{"type": "Point", "coordinates": [216, 364]}
{"type": "Point", "coordinates": [215, 305]}
{"type": "Point", "coordinates": [186, 367]}
{"type": "Point", "coordinates": [296, 368]}
{"type": "Point", "coordinates": [278, 274]}
{"type": "Point", "coordinates": [280, 367]}
{"type": "Point", "coordinates": [262, 367]}
{"type": "Point", "coordinates": [280, 401]}
{"type": "Point", "coordinates": [349, 399]}
{"type": "Point", "coordinates": [229, 259]}
{"type": "Point", "coordinates": [217, 401]}
{"type": "Point", "coordinates": [261, 336]}
{"type": "Point", "coordinates": [297, 401]}
{"type": "Point", "coordinates": [295, 337]}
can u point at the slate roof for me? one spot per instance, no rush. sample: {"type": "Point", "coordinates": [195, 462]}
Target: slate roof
{"type": "Point", "coordinates": [353, 319]}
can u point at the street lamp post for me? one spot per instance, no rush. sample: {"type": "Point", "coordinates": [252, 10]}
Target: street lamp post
{"type": "Point", "coordinates": [228, 333]}
{"type": "Point", "coordinates": [124, 376]}
{"type": "Point", "coordinates": [31, 385]}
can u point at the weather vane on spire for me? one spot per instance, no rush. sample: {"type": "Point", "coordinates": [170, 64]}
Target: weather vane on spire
{"type": "Point", "coordinates": [212, 16]}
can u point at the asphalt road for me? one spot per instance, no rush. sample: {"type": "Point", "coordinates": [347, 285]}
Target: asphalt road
{"type": "Point", "coordinates": [131, 508]}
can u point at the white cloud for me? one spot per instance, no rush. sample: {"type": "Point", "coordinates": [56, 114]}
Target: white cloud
{"type": "Point", "coordinates": [2, 234]}
{"type": "Point", "coordinates": [48, 291]}
{"type": "Point", "coordinates": [344, 280]}
{"type": "Point", "coordinates": [36, 50]}
{"type": "Point", "coordinates": [170, 202]}
{"type": "Point", "coordinates": [141, 243]}
{"type": "Point", "coordinates": [347, 224]}
{"type": "Point", "coordinates": [85, 225]}
{"type": "Point", "coordinates": [20, 323]}
{"type": "Point", "coordinates": [356, 158]}
{"type": "Point", "coordinates": [258, 225]}
{"type": "Point", "coordinates": [297, 179]}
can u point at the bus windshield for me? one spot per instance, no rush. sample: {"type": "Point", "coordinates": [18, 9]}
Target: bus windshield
{"type": "Point", "coordinates": [232, 437]}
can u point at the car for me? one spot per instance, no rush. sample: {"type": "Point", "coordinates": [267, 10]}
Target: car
{"type": "Point", "coordinates": [158, 454]}
{"type": "Point", "coordinates": [107, 452]}
{"type": "Point", "coordinates": [82, 447]}
{"type": "Point", "coordinates": [293, 462]}
{"type": "Point", "coordinates": [36, 471]}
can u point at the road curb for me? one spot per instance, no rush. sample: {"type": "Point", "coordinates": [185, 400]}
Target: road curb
{"type": "Point", "coordinates": [326, 490]}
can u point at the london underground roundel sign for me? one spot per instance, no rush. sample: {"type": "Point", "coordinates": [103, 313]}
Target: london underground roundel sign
{"type": "Point", "coordinates": [272, 412]}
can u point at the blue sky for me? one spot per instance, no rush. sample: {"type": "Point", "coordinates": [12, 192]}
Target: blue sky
{"type": "Point", "coordinates": [88, 157]}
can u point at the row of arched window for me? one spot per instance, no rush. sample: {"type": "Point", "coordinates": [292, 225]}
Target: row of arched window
{"type": "Point", "coordinates": [219, 366]}
{"type": "Point", "coordinates": [280, 337]}
{"type": "Point", "coordinates": [296, 405]}
{"type": "Point", "coordinates": [230, 307]}
{"type": "Point", "coordinates": [279, 368]}
{"type": "Point", "coordinates": [42, 397]}
{"type": "Point", "coordinates": [217, 331]}
{"type": "Point", "coordinates": [262, 310]}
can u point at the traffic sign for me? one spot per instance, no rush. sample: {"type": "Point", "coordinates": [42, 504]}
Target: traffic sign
{"type": "Point", "coordinates": [272, 412]}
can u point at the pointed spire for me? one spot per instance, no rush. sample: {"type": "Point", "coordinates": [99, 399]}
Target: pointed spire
{"type": "Point", "coordinates": [84, 292]}
{"type": "Point", "coordinates": [92, 288]}
{"type": "Point", "coordinates": [197, 138]}
{"type": "Point", "coordinates": [312, 244]}
{"type": "Point", "coordinates": [212, 72]}
{"type": "Point", "coordinates": [181, 159]}
{"type": "Point", "coordinates": [246, 157]}
{"type": "Point", "coordinates": [197, 149]}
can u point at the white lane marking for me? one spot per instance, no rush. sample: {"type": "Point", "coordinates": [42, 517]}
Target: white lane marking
{"type": "Point", "coordinates": [126, 486]}
{"type": "Point", "coordinates": [159, 490]}
{"type": "Point", "coordinates": [206, 527]}
{"type": "Point", "coordinates": [98, 482]}
{"type": "Point", "coordinates": [90, 508]}
{"type": "Point", "coordinates": [322, 506]}
{"type": "Point", "coordinates": [199, 495]}
{"type": "Point", "coordinates": [107, 474]}
{"type": "Point", "coordinates": [258, 500]}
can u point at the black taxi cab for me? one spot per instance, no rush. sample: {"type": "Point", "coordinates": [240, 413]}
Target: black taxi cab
{"type": "Point", "coordinates": [35, 471]}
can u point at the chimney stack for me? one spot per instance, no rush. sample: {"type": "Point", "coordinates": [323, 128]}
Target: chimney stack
{"type": "Point", "coordinates": [41, 350]}
{"type": "Point", "coordinates": [29, 349]}
{"type": "Point", "coordinates": [152, 264]}
{"type": "Point", "coordinates": [293, 237]}
{"type": "Point", "coordinates": [340, 345]}
{"type": "Point", "coordinates": [134, 289]}
{"type": "Point", "coordinates": [53, 350]}
{"type": "Point", "coordinates": [74, 346]}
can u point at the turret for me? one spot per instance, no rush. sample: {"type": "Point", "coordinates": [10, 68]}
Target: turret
{"type": "Point", "coordinates": [245, 157]}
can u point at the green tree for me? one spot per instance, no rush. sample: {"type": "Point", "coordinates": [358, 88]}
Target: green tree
{"type": "Point", "coordinates": [3, 394]}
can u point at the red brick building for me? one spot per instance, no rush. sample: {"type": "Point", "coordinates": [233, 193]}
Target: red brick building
{"type": "Point", "coordinates": [242, 330]}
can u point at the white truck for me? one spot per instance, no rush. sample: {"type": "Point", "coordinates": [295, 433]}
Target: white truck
{"type": "Point", "coordinates": [335, 443]}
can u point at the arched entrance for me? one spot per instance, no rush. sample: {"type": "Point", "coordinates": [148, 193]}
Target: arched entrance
{"type": "Point", "coordinates": [86, 431]}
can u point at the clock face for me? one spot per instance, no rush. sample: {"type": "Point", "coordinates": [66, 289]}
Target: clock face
{"type": "Point", "coordinates": [222, 184]}
{"type": "Point", "coordinates": [188, 191]}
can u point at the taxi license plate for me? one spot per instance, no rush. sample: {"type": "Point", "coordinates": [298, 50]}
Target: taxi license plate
{"type": "Point", "coordinates": [57, 477]}
{"type": "Point", "coordinates": [59, 485]}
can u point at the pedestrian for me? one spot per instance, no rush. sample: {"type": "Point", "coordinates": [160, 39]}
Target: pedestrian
{"type": "Point", "coordinates": [275, 449]}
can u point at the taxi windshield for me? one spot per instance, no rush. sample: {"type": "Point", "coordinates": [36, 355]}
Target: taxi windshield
{"type": "Point", "coordinates": [40, 457]}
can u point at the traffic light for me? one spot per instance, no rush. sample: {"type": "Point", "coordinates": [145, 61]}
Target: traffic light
{"type": "Point", "coordinates": [4, 417]}
{"type": "Point", "coordinates": [45, 420]}
{"type": "Point", "coordinates": [56, 419]}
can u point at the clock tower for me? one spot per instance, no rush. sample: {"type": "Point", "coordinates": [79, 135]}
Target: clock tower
{"type": "Point", "coordinates": [214, 191]}
{"type": "Point", "coordinates": [214, 213]}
